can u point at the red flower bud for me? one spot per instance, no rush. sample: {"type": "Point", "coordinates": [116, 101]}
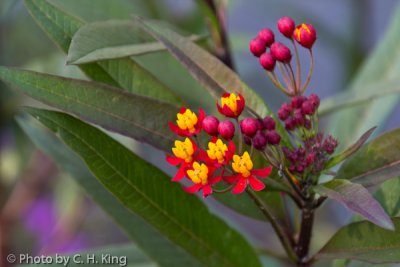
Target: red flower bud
{"type": "Point", "coordinates": [305, 35]}
{"type": "Point", "coordinates": [330, 145]}
{"type": "Point", "coordinates": [257, 47]}
{"type": "Point", "coordinates": [286, 26]}
{"type": "Point", "coordinates": [298, 117]}
{"type": "Point", "coordinates": [247, 140]}
{"type": "Point", "coordinates": [249, 126]}
{"type": "Point", "coordinates": [311, 158]}
{"type": "Point", "coordinates": [314, 99]}
{"type": "Point", "coordinates": [267, 61]}
{"type": "Point", "coordinates": [297, 101]}
{"type": "Point", "coordinates": [210, 125]}
{"type": "Point", "coordinates": [281, 52]}
{"type": "Point", "coordinates": [269, 123]}
{"type": "Point", "coordinates": [259, 140]}
{"type": "Point", "coordinates": [273, 137]}
{"type": "Point", "coordinates": [290, 124]}
{"type": "Point", "coordinates": [226, 129]}
{"type": "Point", "coordinates": [307, 108]}
{"type": "Point", "coordinates": [267, 35]}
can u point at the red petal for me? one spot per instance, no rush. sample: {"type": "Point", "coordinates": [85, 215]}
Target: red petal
{"type": "Point", "coordinates": [182, 110]}
{"type": "Point", "coordinates": [256, 184]}
{"type": "Point", "coordinates": [193, 145]}
{"type": "Point", "coordinates": [231, 151]}
{"type": "Point", "coordinates": [231, 179]}
{"type": "Point", "coordinates": [226, 95]}
{"type": "Point", "coordinates": [173, 160]}
{"type": "Point", "coordinates": [214, 139]}
{"type": "Point", "coordinates": [176, 129]}
{"type": "Point", "coordinates": [207, 190]}
{"type": "Point", "coordinates": [179, 175]}
{"type": "Point", "coordinates": [220, 109]}
{"type": "Point", "coordinates": [192, 189]}
{"type": "Point", "coordinates": [240, 104]}
{"type": "Point", "coordinates": [228, 112]}
{"type": "Point", "coordinates": [262, 172]}
{"type": "Point", "coordinates": [240, 186]}
{"type": "Point", "coordinates": [201, 116]}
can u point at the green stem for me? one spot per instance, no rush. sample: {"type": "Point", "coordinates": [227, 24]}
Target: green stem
{"type": "Point", "coordinates": [285, 240]}
{"type": "Point", "coordinates": [298, 68]}
{"type": "Point", "coordinates": [240, 137]}
{"type": "Point", "coordinates": [309, 73]}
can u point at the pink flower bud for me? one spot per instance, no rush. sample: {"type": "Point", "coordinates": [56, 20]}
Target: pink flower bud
{"type": "Point", "coordinates": [299, 117]}
{"type": "Point", "coordinates": [257, 47]}
{"type": "Point", "coordinates": [314, 99]}
{"type": "Point", "coordinates": [249, 126]}
{"type": "Point", "coordinates": [259, 140]}
{"type": "Point", "coordinates": [305, 35]}
{"type": "Point", "coordinates": [311, 158]}
{"type": "Point", "coordinates": [210, 125]}
{"type": "Point", "coordinates": [307, 108]}
{"type": "Point", "coordinates": [286, 26]}
{"type": "Point", "coordinates": [226, 129]}
{"type": "Point", "coordinates": [269, 123]}
{"type": "Point", "coordinates": [273, 137]}
{"type": "Point", "coordinates": [267, 61]}
{"type": "Point", "coordinates": [247, 140]}
{"type": "Point", "coordinates": [281, 52]}
{"type": "Point", "coordinates": [290, 124]}
{"type": "Point", "coordinates": [297, 101]}
{"type": "Point", "coordinates": [267, 35]}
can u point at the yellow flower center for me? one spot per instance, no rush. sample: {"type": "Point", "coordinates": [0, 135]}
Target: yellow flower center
{"type": "Point", "coordinates": [230, 101]}
{"type": "Point", "coordinates": [187, 120]}
{"type": "Point", "coordinates": [183, 150]}
{"type": "Point", "coordinates": [242, 164]}
{"type": "Point", "coordinates": [199, 174]}
{"type": "Point", "coordinates": [216, 151]}
{"type": "Point", "coordinates": [298, 30]}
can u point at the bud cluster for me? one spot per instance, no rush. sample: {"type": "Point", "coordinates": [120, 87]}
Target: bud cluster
{"type": "Point", "coordinates": [311, 158]}
{"type": "Point", "coordinates": [259, 133]}
{"type": "Point", "coordinates": [270, 52]}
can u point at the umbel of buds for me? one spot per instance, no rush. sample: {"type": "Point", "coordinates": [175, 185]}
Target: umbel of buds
{"type": "Point", "coordinates": [271, 52]}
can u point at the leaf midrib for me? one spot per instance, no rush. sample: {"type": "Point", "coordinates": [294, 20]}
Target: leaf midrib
{"type": "Point", "coordinates": [155, 205]}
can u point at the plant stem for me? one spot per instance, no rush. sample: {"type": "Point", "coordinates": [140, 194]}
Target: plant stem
{"type": "Point", "coordinates": [240, 137]}
{"type": "Point", "coordinates": [223, 47]}
{"type": "Point", "coordinates": [307, 221]}
{"type": "Point", "coordinates": [283, 237]}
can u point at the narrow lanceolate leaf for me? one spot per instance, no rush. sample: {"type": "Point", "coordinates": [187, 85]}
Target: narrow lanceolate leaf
{"type": "Point", "coordinates": [207, 69]}
{"type": "Point", "coordinates": [366, 242]}
{"type": "Point", "coordinates": [122, 73]}
{"type": "Point", "coordinates": [110, 40]}
{"type": "Point", "coordinates": [374, 163]}
{"type": "Point", "coordinates": [158, 247]}
{"type": "Point", "coordinates": [380, 67]}
{"type": "Point", "coordinates": [148, 192]}
{"type": "Point", "coordinates": [350, 150]}
{"type": "Point", "coordinates": [356, 198]}
{"type": "Point", "coordinates": [136, 116]}
{"type": "Point", "coordinates": [127, 255]}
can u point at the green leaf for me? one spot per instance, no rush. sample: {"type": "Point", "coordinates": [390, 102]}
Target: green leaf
{"type": "Point", "coordinates": [149, 239]}
{"type": "Point", "coordinates": [350, 150]}
{"type": "Point", "coordinates": [111, 39]}
{"type": "Point", "coordinates": [356, 198]}
{"type": "Point", "coordinates": [136, 116]}
{"type": "Point", "coordinates": [382, 66]}
{"type": "Point", "coordinates": [374, 163]}
{"type": "Point", "coordinates": [147, 191]}
{"type": "Point", "coordinates": [388, 196]}
{"type": "Point", "coordinates": [122, 73]}
{"type": "Point", "coordinates": [127, 255]}
{"type": "Point", "coordinates": [207, 69]}
{"type": "Point", "coordinates": [365, 242]}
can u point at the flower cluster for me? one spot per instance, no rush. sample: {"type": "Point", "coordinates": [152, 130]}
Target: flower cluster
{"type": "Point", "coordinates": [209, 155]}
{"type": "Point", "coordinates": [270, 53]}
{"type": "Point", "coordinates": [299, 112]}
{"type": "Point", "coordinates": [208, 166]}
{"type": "Point", "coordinates": [310, 159]}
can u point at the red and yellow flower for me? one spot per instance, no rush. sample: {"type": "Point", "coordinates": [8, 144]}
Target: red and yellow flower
{"type": "Point", "coordinates": [187, 123]}
{"type": "Point", "coordinates": [243, 166]}
{"type": "Point", "coordinates": [219, 153]}
{"type": "Point", "coordinates": [232, 105]}
{"type": "Point", "coordinates": [184, 152]}
{"type": "Point", "coordinates": [201, 175]}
